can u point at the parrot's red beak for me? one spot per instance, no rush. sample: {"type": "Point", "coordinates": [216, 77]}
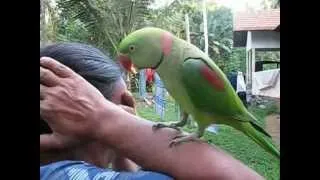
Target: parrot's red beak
{"type": "Point", "coordinates": [126, 62]}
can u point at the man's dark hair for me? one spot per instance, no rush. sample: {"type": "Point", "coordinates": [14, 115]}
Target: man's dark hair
{"type": "Point", "coordinates": [89, 62]}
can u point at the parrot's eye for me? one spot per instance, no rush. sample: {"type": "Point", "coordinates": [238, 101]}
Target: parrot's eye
{"type": "Point", "coordinates": [132, 48]}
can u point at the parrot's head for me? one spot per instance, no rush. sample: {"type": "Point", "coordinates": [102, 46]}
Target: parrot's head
{"type": "Point", "coordinates": [143, 49]}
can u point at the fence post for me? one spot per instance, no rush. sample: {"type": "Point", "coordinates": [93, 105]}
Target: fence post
{"type": "Point", "coordinates": [160, 93]}
{"type": "Point", "coordinates": [142, 84]}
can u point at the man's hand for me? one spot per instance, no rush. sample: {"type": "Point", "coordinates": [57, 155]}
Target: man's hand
{"type": "Point", "coordinates": [70, 105]}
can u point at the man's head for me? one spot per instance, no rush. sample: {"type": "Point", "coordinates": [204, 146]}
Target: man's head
{"type": "Point", "coordinates": [94, 66]}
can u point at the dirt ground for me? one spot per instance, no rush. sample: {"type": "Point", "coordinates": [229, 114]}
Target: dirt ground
{"type": "Point", "coordinates": [273, 127]}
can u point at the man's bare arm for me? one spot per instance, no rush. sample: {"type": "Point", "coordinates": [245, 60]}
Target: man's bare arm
{"type": "Point", "coordinates": [134, 137]}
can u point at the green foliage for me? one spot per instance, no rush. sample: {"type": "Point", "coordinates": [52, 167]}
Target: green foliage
{"type": "Point", "coordinates": [237, 60]}
{"type": "Point", "coordinates": [48, 22]}
{"type": "Point", "coordinates": [219, 31]}
{"type": "Point", "coordinates": [270, 4]}
{"type": "Point", "coordinates": [172, 17]}
{"type": "Point", "coordinates": [106, 21]}
{"type": "Point", "coordinates": [73, 31]}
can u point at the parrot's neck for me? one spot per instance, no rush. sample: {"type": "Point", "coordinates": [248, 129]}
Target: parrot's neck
{"type": "Point", "coordinates": [159, 63]}
{"type": "Point", "coordinates": [168, 66]}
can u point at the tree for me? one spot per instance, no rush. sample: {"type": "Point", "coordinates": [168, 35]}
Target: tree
{"type": "Point", "coordinates": [48, 21]}
{"type": "Point", "coordinates": [220, 29]}
{"type": "Point", "coordinates": [270, 4]}
{"type": "Point", "coordinates": [42, 23]}
{"type": "Point", "coordinates": [106, 21]}
{"type": "Point", "coordinates": [220, 33]}
{"type": "Point", "coordinates": [73, 30]}
{"type": "Point", "coordinates": [172, 17]}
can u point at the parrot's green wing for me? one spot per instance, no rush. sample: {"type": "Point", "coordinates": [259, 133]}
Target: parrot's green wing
{"type": "Point", "coordinates": [209, 89]}
{"type": "Point", "coordinates": [211, 92]}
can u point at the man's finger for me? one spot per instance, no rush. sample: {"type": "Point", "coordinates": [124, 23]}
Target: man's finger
{"type": "Point", "coordinates": [128, 99]}
{"type": "Point", "coordinates": [43, 90]}
{"type": "Point", "coordinates": [44, 107]}
{"type": "Point", "coordinates": [49, 142]}
{"type": "Point", "coordinates": [48, 78]}
{"type": "Point", "coordinates": [128, 109]}
{"type": "Point", "coordinates": [56, 67]}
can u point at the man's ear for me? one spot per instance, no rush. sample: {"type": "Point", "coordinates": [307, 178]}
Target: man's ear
{"type": "Point", "coordinates": [127, 99]}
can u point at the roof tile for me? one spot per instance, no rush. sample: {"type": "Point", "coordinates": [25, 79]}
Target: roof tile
{"type": "Point", "coordinates": [260, 20]}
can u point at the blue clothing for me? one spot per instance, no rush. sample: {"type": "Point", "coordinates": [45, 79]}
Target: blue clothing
{"type": "Point", "coordinates": [233, 79]}
{"type": "Point", "coordinates": [79, 170]}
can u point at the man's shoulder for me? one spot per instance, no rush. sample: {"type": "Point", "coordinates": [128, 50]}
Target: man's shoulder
{"type": "Point", "coordinates": [79, 170]}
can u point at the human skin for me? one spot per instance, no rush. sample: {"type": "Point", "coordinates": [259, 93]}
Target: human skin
{"type": "Point", "coordinates": [77, 112]}
{"type": "Point", "coordinates": [95, 152]}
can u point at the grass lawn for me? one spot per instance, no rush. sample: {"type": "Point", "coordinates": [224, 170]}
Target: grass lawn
{"type": "Point", "coordinates": [232, 141]}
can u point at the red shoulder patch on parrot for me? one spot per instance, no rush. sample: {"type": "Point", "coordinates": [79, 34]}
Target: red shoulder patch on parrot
{"type": "Point", "coordinates": [166, 43]}
{"type": "Point", "coordinates": [212, 77]}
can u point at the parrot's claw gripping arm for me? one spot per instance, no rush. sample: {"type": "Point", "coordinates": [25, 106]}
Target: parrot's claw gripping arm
{"type": "Point", "coordinates": [174, 125]}
{"type": "Point", "coordinates": [186, 138]}
{"type": "Point", "coordinates": [159, 126]}
{"type": "Point", "coordinates": [183, 121]}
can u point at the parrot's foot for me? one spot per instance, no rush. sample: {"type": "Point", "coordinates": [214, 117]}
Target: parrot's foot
{"type": "Point", "coordinates": [186, 138]}
{"type": "Point", "coordinates": [159, 126]}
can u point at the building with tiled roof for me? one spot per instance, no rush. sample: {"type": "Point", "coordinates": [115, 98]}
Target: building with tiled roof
{"type": "Point", "coordinates": [262, 21]}
{"type": "Point", "coordinates": [257, 31]}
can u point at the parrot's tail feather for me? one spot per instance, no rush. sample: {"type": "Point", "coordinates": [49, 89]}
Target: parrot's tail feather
{"type": "Point", "coordinates": [260, 129]}
{"type": "Point", "coordinates": [250, 131]}
{"type": "Point", "coordinates": [256, 125]}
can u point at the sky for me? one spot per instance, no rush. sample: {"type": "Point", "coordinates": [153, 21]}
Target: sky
{"type": "Point", "coordinates": [235, 5]}
{"type": "Point", "coordinates": [240, 5]}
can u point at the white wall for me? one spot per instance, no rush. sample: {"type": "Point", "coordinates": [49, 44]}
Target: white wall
{"type": "Point", "coordinates": [263, 39]}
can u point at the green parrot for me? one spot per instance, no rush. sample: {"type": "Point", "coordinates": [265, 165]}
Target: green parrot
{"type": "Point", "coordinates": [194, 81]}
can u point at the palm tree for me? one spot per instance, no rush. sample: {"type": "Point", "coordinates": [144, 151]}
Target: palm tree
{"type": "Point", "coordinates": [107, 20]}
